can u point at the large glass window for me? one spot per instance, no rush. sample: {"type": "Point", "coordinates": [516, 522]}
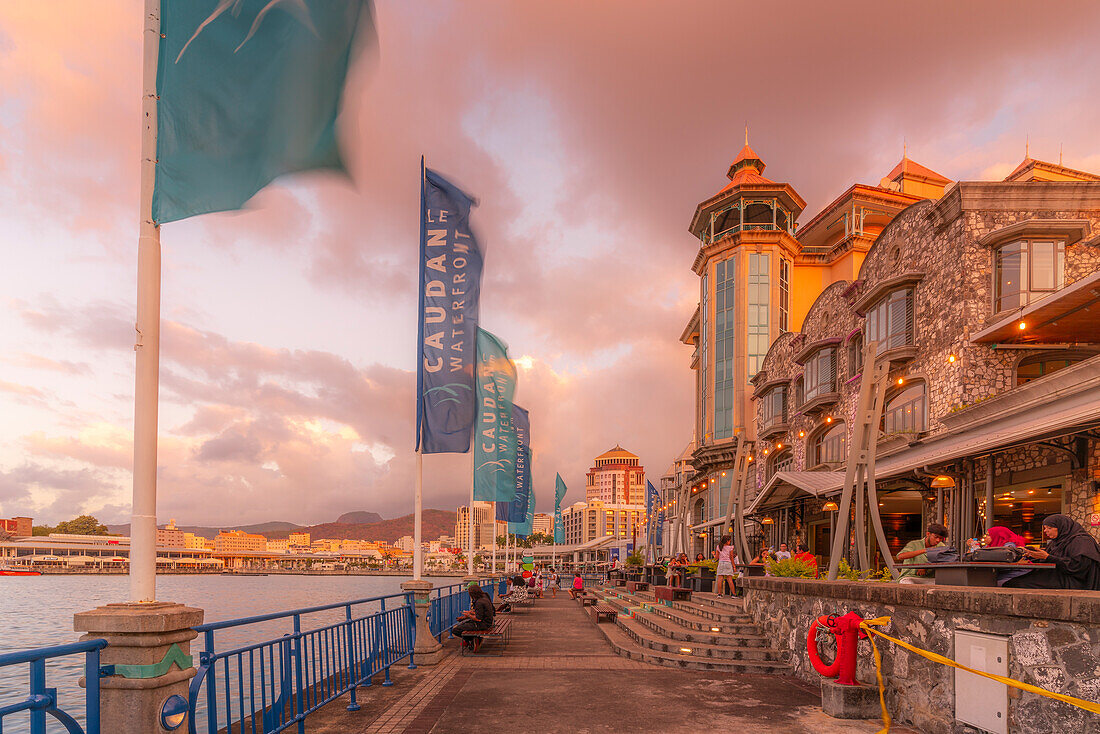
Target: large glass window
{"type": "Point", "coordinates": [905, 410]}
{"type": "Point", "coordinates": [1041, 365]}
{"type": "Point", "coordinates": [1026, 270]}
{"type": "Point", "coordinates": [704, 354]}
{"type": "Point", "coordinates": [890, 321]}
{"type": "Point", "coordinates": [782, 461]}
{"type": "Point", "coordinates": [725, 335]}
{"type": "Point", "coordinates": [759, 286]}
{"type": "Point", "coordinates": [820, 375]}
{"type": "Point", "coordinates": [784, 295]}
{"type": "Point", "coordinates": [775, 405]}
{"type": "Point", "coordinates": [830, 447]}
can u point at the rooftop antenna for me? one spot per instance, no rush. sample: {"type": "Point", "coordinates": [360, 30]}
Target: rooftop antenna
{"type": "Point", "coordinates": [1059, 154]}
{"type": "Point", "coordinates": [746, 133]}
{"type": "Point", "coordinates": [904, 148]}
{"type": "Point", "coordinates": [1027, 146]}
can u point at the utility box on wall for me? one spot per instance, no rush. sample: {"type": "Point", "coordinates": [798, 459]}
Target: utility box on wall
{"type": "Point", "coordinates": [980, 701]}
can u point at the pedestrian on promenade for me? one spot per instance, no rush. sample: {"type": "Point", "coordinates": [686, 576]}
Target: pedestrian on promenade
{"type": "Point", "coordinates": [478, 617]}
{"type": "Point", "coordinates": [915, 551]}
{"type": "Point", "coordinates": [554, 583]}
{"type": "Point", "coordinates": [1074, 553]}
{"type": "Point", "coordinates": [724, 573]}
{"type": "Point", "coordinates": [578, 585]}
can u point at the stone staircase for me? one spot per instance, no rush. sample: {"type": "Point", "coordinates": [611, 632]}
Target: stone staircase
{"type": "Point", "coordinates": [707, 633]}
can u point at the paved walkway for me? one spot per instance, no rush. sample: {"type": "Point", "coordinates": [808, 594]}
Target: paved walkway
{"type": "Point", "coordinates": [559, 675]}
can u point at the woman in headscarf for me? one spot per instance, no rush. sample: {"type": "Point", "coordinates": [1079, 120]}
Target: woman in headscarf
{"type": "Point", "coordinates": [1074, 553]}
{"type": "Point", "coordinates": [999, 536]}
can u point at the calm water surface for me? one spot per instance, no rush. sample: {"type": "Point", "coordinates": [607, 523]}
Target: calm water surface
{"type": "Point", "coordinates": [38, 611]}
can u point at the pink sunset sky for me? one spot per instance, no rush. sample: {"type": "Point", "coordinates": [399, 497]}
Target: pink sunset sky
{"type": "Point", "coordinates": [589, 131]}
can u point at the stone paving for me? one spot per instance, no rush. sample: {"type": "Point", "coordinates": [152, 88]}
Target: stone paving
{"type": "Point", "coordinates": [558, 674]}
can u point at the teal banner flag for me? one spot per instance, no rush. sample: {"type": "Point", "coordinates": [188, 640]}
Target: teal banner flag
{"type": "Point", "coordinates": [494, 435]}
{"type": "Point", "coordinates": [559, 494]}
{"type": "Point", "coordinates": [248, 90]}
{"type": "Point", "coordinates": [516, 512]}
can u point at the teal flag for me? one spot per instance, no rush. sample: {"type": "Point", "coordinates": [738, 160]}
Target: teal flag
{"type": "Point", "coordinates": [494, 434]}
{"type": "Point", "coordinates": [559, 494]}
{"type": "Point", "coordinates": [529, 521]}
{"type": "Point", "coordinates": [248, 90]}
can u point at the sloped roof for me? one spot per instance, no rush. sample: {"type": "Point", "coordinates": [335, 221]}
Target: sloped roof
{"type": "Point", "coordinates": [617, 453]}
{"type": "Point", "coordinates": [1028, 164]}
{"type": "Point", "coordinates": [909, 167]}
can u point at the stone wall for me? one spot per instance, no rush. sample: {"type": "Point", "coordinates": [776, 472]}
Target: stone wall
{"type": "Point", "coordinates": [1053, 641]}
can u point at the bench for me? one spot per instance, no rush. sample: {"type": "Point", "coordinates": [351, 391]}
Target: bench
{"type": "Point", "coordinates": [635, 586]}
{"type": "Point", "coordinates": [587, 599]}
{"type": "Point", "coordinates": [669, 594]}
{"type": "Point", "coordinates": [620, 581]}
{"type": "Point", "coordinates": [970, 573]}
{"type": "Point", "coordinates": [604, 612]}
{"type": "Point", "coordinates": [499, 631]}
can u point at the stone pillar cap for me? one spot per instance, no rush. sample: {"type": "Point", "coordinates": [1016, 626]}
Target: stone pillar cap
{"type": "Point", "coordinates": [138, 618]}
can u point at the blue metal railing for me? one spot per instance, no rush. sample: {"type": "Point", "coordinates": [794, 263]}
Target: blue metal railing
{"type": "Point", "coordinates": [447, 602]}
{"type": "Point", "coordinates": [42, 700]}
{"type": "Point", "coordinates": [271, 686]}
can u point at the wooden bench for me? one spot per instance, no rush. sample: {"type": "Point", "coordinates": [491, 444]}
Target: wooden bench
{"type": "Point", "coordinates": [635, 586]}
{"type": "Point", "coordinates": [587, 599]}
{"type": "Point", "coordinates": [605, 612]}
{"type": "Point", "coordinates": [620, 581]}
{"type": "Point", "coordinates": [669, 594]}
{"type": "Point", "coordinates": [500, 630]}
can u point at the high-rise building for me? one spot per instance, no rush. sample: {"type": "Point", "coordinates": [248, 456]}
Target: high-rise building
{"type": "Point", "coordinates": [170, 536]}
{"type": "Point", "coordinates": [299, 540]}
{"type": "Point", "coordinates": [486, 528]}
{"type": "Point", "coordinates": [587, 521]}
{"type": "Point", "coordinates": [542, 523]}
{"type": "Point", "coordinates": [238, 540]}
{"type": "Point", "coordinates": [617, 478]}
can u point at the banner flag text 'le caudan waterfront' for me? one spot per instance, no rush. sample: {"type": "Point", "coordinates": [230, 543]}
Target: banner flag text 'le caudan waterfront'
{"type": "Point", "coordinates": [450, 290]}
{"type": "Point", "coordinates": [559, 494]}
{"type": "Point", "coordinates": [248, 90]}
{"type": "Point", "coordinates": [494, 436]}
{"type": "Point", "coordinates": [516, 511]}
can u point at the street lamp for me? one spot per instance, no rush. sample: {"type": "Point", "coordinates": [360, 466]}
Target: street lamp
{"type": "Point", "coordinates": [831, 508]}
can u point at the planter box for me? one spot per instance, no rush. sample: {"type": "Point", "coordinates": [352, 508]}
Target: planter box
{"type": "Point", "coordinates": [702, 583]}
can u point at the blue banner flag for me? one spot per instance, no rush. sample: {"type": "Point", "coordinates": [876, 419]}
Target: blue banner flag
{"type": "Point", "coordinates": [517, 508]}
{"type": "Point", "coordinates": [450, 290]}
{"type": "Point", "coordinates": [247, 90]}
{"type": "Point", "coordinates": [559, 494]}
{"type": "Point", "coordinates": [654, 513]}
{"type": "Point", "coordinates": [494, 437]}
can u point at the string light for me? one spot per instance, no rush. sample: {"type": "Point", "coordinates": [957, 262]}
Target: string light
{"type": "Point", "coordinates": [1023, 325]}
{"type": "Point", "coordinates": [951, 358]}
{"type": "Point", "coordinates": [901, 380]}
{"type": "Point", "coordinates": [829, 419]}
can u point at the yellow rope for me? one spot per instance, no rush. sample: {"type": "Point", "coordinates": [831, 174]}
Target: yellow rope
{"type": "Point", "coordinates": [882, 621]}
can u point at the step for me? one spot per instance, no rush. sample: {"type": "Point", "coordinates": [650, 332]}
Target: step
{"type": "Point", "coordinates": [625, 646]}
{"type": "Point", "coordinates": [688, 620]}
{"type": "Point", "coordinates": [710, 634]}
{"type": "Point", "coordinates": [702, 609]}
{"type": "Point", "coordinates": [645, 637]}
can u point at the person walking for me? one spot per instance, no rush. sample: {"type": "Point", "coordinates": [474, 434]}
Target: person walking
{"type": "Point", "coordinates": [554, 583]}
{"type": "Point", "coordinates": [724, 573]}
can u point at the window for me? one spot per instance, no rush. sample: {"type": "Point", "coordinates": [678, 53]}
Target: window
{"type": "Point", "coordinates": [830, 447]}
{"type": "Point", "coordinates": [775, 405]}
{"type": "Point", "coordinates": [855, 355]}
{"type": "Point", "coordinates": [799, 393]}
{"type": "Point", "coordinates": [1041, 365]}
{"type": "Point", "coordinates": [782, 461]}
{"type": "Point", "coordinates": [820, 375]}
{"type": "Point", "coordinates": [704, 338]}
{"type": "Point", "coordinates": [725, 336]}
{"type": "Point", "coordinates": [759, 286]}
{"type": "Point", "coordinates": [1025, 268]}
{"type": "Point", "coordinates": [784, 295]}
{"type": "Point", "coordinates": [890, 321]}
{"type": "Point", "coordinates": [905, 410]}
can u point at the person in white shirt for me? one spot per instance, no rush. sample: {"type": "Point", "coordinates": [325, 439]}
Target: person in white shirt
{"type": "Point", "coordinates": [783, 554]}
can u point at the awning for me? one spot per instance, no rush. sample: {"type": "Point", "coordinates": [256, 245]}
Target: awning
{"type": "Point", "coordinates": [1069, 315]}
{"type": "Point", "coordinates": [597, 543]}
{"type": "Point", "coordinates": [785, 486]}
{"type": "Point", "coordinates": [711, 523]}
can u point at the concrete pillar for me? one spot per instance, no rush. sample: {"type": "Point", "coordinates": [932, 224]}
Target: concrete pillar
{"type": "Point", "coordinates": [140, 634]}
{"type": "Point", "coordinates": [426, 649]}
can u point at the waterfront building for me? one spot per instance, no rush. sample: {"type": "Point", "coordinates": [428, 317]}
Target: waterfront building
{"type": "Point", "coordinates": [617, 478]}
{"type": "Point", "coordinates": [405, 543]}
{"type": "Point", "coordinates": [672, 484]}
{"type": "Point", "coordinates": [542, 523]}
{"type": "Point", "coordinates": [170, 536]}
{"type": "Point", "coordinates": [235, 541]}
{"type": "Point", "coordinates": [596, 521]}
{"type": "Point", "coordinates": [18, 527]}
{"type": "Point", "coordinates": [299, 540]}
{"type": "Point", "coordinates": [94, 552]}
{"type": "Point", "coordinates": [486, 527]}
{"type": "Point", "coordinates": [190, 540]}
{"type": "Point", "coordinates": [983, 304]}
{"type": "Point", "coordinates": [281, 545]}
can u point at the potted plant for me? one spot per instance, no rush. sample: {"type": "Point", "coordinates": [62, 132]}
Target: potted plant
{"type": "Point", "coordinates": [633, 566]}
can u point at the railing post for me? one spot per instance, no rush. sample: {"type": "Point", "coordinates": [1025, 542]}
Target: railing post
{"type": "Point", "coordinates": [91, 692]}
{"type": "Point", "coordinates": [211, 686]}
{"type": "Point", "coordinates": [410, 624]}
{"type": "Point", "coordinates": [139, 636]}
{"type": "Point", "coordinates": [38, 692]}
{"type": "Point", "coordinates": [353, 679]}
{"type": "Point", "coordinates": [427, 649]}
{"type": "Point", "coordinates": [299, 684]}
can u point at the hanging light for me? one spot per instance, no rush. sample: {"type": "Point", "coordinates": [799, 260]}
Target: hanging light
{"type": "Point", "coordinates": [830, 506]}
{"type": "Point", "coordinates": [1022, 325]}
{"type": "Point", "coordinates": [767, 521]}
{"type": "Point", "coordinates": [779, 446]}
{"type": "Point", "coordinates": [901, 380]}
{"type": "Point", "coordinates": [943, 482]}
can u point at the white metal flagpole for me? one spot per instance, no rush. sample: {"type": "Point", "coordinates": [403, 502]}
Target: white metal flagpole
{"type": "Point", "coordinates": [143, 517]}
{"type": "Point", "coordinates": [418, 511]}
{"type": "Point", "coordinates": [470, 523]}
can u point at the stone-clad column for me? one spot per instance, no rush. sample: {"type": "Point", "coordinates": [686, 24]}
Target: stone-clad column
{"type": "Point", "coordinates": [149, 646]}
{"type": "Point", "coordinates": [426, 649]}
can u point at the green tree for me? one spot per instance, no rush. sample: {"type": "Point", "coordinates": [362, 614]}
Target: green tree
{"type": "Point", "coordinates": [82, 525]}
{"type": "Point", "coordinates": [478, 560]}
{"type": "Point", "coordinates": [41, 530]}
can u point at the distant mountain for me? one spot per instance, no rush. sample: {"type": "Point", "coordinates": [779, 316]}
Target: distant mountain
{"type": "Point", "coordinates": [210, 532]}
{"type": "Point", "coordinates": [435, 523]}
{"type": "Point", "coordinates": [359, 517]}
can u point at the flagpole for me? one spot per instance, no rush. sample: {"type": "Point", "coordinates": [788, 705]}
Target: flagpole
{"type": "Point", "coordinates": [143, 517]}
{"type": "Point", "coordinates": [470, 518]}
{"type": "Point", "coordinates": [418, 511]}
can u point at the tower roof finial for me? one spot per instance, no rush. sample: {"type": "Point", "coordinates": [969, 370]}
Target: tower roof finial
{"type": "Point", "coordinates": [904, 148]}
{"type": "Point", "coordinates": [1027, 146]}
{"type": "Point", "coordinates": [746, 133]}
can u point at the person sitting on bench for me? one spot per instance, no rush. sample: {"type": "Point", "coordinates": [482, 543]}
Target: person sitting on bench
{"type": "Point", "coordinates": [478, 617]}
{"type": "Point", "coordinates": [578, 585]}
{"type": "Point", "coordinates": [516, 594]}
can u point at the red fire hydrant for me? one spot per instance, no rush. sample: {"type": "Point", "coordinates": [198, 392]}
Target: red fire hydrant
{"type": "Point", "coordinates": [847, 632]}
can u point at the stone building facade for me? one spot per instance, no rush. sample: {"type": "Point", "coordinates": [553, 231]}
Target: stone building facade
{"type": "Point", "coordinates": [994, 366]}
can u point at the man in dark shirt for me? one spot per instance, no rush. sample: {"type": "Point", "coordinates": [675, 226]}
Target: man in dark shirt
{"type": "Point", "coordinates": [478, 617]}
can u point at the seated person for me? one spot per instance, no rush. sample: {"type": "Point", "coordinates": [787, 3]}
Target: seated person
{"type": "Point", "coordinates": [478, 617]}
{"type": "Point", "coordinates": [1074, 553]}
{"type": "Point", "coordinates": [578, 586]}
{"type": "Point", "coordinates": [999, 536]}
{"type": "Point", "coordinates": [676, 570]}
{"type": "Point", "coordinates": [783, 554]}
{"type": "Point", "coordinates": [914, 553]}
{"type": "Point", "coordinates": [804, 555]}
{"type": "Point", "coordinates": [516, 593]}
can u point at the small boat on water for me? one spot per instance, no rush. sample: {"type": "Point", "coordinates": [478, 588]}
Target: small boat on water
{"type": "Point", "coordinates": [6, 570]}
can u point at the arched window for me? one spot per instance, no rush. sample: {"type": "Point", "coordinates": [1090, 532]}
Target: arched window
{"type": "Point", "coordinates": [906, 410]}
{"type": "Point", "coordinates": [1026, 270]}
{"type": "Point", "coordinates": [820, 373]}
{"type": "Point", "coordinates": [829, 447]}
{"type": "Point", "coordinates": [1041, 365]}
{"type": "Point", "coordinates": [780, 461]}
{"type": "Point", "coordinates": [890, 321]}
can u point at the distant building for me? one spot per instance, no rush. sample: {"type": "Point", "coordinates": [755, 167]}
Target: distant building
{"type": "Point", "coordinates": [405, 543]}
{"type": "Point", "coordinates": [193, 542]}
{"type": "Point", "coordinates": [588, 521]}
{"type": "Point", "coordinates": [617, 478]}
{"type": "Point", "coordinates": [281, 545]}
{"type": "Point", "coordinates": [230, 541]}
{"type": "Point", "coordinates": [299, 540]}
{"type": "Point", "coordinates": [19, 527]}
{"type": "Point", "coordinates": [485, 525]}
{"type": "Point", "coordinates": [170, 536]}
{"type": "Point", "coordinates": [542, 523]}
{"type": "Point", "coordinates": [447, 541]}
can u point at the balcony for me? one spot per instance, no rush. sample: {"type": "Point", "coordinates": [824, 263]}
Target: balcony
{"type": "Point", "coordinates": [776, 425]}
